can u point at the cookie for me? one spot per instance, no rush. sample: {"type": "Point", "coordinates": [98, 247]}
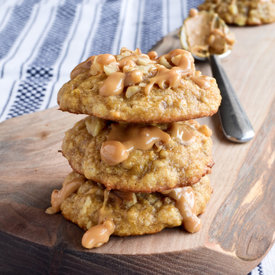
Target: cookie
{"type": "Point", "coordinates": [240, 12]}
{"type": "Point", "coordinates": [139, 88]}
{"type": "Point", "coordinates": [131, 213]}
{"type": "Point", "coordinates": [139, 158]}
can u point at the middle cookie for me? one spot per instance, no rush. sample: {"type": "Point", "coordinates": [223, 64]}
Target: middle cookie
{"type": "Point", "coordinates": [139, 158]}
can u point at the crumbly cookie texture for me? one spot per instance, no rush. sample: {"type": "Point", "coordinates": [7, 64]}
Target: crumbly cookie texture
{"type": "Point", "coordinates": [134, 214]}
{"type": "Point", "coordinates": [242, 12]}
{"type": "Point", "coordinates": [175, 163]}
{"type": "Point", "coordinates": [140, 88]}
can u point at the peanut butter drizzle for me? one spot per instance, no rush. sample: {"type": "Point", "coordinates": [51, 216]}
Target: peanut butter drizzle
{"type": "Point", "coordinates": [99, 234]}
{"type": "Point", "coordinates": [202, 81]}
{"type": "Point", "coordinates": [133, 59]}
{"type": "Point", "coordinates": [183, 132]}
{"type": "Point", "coordinates": [122, 139]}
{"type": "Point", "coordinates": [101, 213]}
{"type": "Point", "coordinates": [182, 59]}
{"type": "Point", "coordinates": [58, 196]}
{"type": "Point", "coordinates": [115, 82]}
{"type": "Point", "coordinates": [113, 85]}
{"type": "Point", "coordinates": [172, 77]}
{"type": "Point", "coordinates": [153, 55]}
{"type": "Point", "coordinates": [185, 202]}
{"type": "Point", "coordinates": [105, 59]}
{"type": "Point", "coordinates": [133, 77]}
{"type": "Point", "coordinates": [113, 152]}
{"type": "Point", "coordinates": [128, 61]}
{"type": "Point", "coordinates": [163, 77]}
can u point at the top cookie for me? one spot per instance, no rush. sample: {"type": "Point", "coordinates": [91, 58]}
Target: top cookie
{"type": "Point", "coordinates": [242, 12]}
{"type": "Point", "coordinates": [139, 88]}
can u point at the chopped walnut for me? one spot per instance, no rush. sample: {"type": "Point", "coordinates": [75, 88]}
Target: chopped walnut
{"type": "Point", "coordinates": [163, 61]}
{"type": "Point", "coordinates": [132, 90]}
{"type": "Point", "coordinates": [111, 68]}
{"type": "Point", "coordinates": [205, 130]}
{"type": "Point", "coordinates": [94, 125]}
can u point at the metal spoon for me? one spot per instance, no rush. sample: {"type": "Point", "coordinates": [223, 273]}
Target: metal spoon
{"type": "Point", "coordinates": [235, 123]}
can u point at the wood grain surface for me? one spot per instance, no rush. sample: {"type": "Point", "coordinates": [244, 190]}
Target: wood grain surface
{"type": "Point", "coordinates": [238, 225]}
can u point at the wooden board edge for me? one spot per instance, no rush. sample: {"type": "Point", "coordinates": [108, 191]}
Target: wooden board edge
{"type": "Point", "coordinates": [24, 257]}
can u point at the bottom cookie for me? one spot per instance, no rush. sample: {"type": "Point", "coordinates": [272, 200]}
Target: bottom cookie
{"type": "Point", "coordinates": [102, 212]}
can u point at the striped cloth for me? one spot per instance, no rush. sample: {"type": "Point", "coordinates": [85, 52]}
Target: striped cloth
{"type": "Point", "coordinates": [42, 40]}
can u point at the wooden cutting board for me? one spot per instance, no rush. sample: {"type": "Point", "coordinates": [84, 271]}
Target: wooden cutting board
{"type": "Point", "coordinates": [238, 225]}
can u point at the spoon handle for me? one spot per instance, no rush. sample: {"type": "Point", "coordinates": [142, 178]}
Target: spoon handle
{"type": "Point", "coordinates": [235, 123]}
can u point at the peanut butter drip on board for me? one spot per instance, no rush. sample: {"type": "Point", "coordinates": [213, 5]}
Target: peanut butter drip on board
{"type": "Point", "coordinates": [70, 185]}
{"type": "Point", "coordinates": [123, 139]}
{"type": "Point", "coordinates": [184, 133]}
{"type": "Point", "coordinates": [185, 202]}
{"type": "Point", "coordinates": [99, 234]}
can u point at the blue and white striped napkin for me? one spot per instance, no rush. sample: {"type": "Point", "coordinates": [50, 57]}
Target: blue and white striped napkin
{"type": "Point", "coordinates": [42, 40]}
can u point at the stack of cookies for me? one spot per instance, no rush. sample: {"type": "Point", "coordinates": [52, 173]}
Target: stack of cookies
{"type": "Point", "coordinates": [139, 160]}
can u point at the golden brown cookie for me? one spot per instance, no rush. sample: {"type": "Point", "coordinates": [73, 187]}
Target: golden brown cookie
{"type": "Point", "coordinates": [242, 12]}
{"type": "Point", "coordinates": [139, 158]}
{"type": "Point", "coordinates": [139, 88]}
{"type": "Point", "coordinates": [132, 214]}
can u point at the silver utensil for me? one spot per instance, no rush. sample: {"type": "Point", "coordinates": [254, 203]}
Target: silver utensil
{"type": "Point", "coordinates": [235, 123]}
